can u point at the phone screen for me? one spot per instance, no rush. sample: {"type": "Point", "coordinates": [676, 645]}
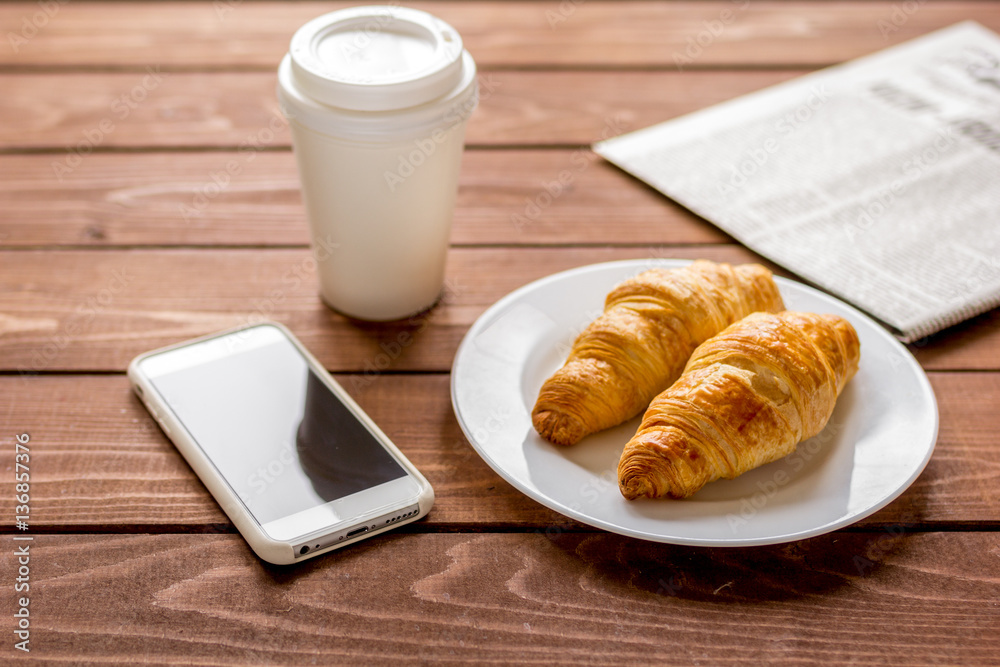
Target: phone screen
{"type": "Point", "coordinates": [280, 437]}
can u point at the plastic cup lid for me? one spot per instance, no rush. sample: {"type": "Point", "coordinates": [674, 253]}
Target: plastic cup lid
{"type": "Point", "coordinates": [376, 58]}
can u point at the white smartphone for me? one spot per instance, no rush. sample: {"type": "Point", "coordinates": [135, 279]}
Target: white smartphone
{"type": "Point", "coordinates": [297, 466]}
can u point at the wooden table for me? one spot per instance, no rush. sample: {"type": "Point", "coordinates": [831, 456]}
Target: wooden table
{"type": "Point", "coordinates": [148, 194]}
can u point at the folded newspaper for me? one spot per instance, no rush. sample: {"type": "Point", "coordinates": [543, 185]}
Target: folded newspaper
{"type": "Point", "coordinates": [877, 180]}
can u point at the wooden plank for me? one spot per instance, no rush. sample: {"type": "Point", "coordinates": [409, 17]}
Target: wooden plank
{"type": "Point", "coordinates": [99, 462]}
{"type": "Point", "coordinates": [498, 34]}
{"type": "Point", "coordinates": [958, 346]}
{"type": "Point", "coordinates": [101, 308]}
{"type": "Point", "coordinates": [93, 310]}
{"type": "Point", "coordinates": [234, 199]}
{"type": "Point", "coordinates": [844, 599]}
{"type": "Point", "coordinates": [74, 114]}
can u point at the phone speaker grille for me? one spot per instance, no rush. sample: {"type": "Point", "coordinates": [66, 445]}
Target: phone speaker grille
{"type": "Point", "coordinates": [364, 529]}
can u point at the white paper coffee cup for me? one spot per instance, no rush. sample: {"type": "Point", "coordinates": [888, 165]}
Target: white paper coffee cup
{"type": "Point", "coordinates": [377, 100]}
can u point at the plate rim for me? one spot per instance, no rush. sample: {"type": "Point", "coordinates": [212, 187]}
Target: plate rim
{"type": "Point", "coordinates": [499, 306]}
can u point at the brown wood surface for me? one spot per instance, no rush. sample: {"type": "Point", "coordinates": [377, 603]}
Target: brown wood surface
{"type": "Point", "coordinates": [72, 114]}
{"type": "Point", "coordinates": [558, 599]}
{"type": "Point", "coordinates": [505, 197]}
{"type": "Point", "coordinates": [116, 121]}
{"type": "Point", "coordinates": [232, 34]}
{"type": "Point", "coordinates": [100, 308]}
{"type": "Point", "coordinates": [93, 310]}
{"type": "Point", "coordinates": [100, 461]}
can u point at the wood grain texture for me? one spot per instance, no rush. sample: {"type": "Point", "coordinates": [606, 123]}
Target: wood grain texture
{"type": "Point", "coordinates": [101, 308]}
{"type": "Point", "coordinates": [563, 599]}
{"type": "Point", "coordinates": [252, 199]}
{"type": "Point", "coordinates": [94, 310]}
{"type": "Point", "coordinates": [498, 34]}
{"type": "Point", "coordinates": [100, 462]}
{"type": "Point", "coordinates": [116, 115]}
{"type": "Point", "coordinates": [73, 114]}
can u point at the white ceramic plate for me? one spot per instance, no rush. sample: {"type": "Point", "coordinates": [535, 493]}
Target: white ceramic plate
{"type": "Point", "coordinates": [877, 442]}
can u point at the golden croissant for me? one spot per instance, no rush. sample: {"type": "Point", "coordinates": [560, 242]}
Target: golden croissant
{"type": "Point", "coordinates": [650, 326]}
{"type": "Point", "coordinates": [747, 397]}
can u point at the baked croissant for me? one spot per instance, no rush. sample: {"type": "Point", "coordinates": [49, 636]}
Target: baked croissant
{"type": "Point", "coordinates": [747, 397]}
{"type": "Point", "coordinates": [650, 326]}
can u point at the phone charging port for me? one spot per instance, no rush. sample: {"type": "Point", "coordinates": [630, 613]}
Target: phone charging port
{"type": "Point", "coordinates": [358, 531]}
